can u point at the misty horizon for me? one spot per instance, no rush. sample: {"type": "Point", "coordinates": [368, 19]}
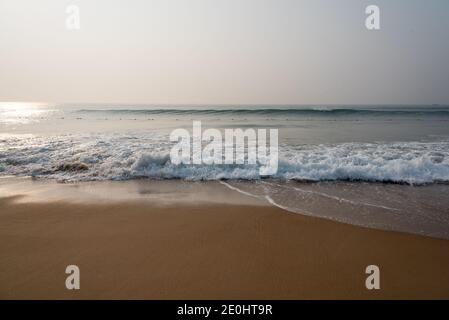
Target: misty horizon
{"type": "Point", "coordinates": [268, 52]}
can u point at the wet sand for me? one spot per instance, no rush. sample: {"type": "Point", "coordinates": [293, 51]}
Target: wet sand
{"type": "Point", "coordinates": [135, 250]}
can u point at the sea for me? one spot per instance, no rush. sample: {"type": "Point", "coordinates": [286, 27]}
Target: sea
{"type": "Point", "coordinates": [377, 166]}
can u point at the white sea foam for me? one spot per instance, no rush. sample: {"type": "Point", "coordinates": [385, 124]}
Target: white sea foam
{"type": "Point", "coordinates": [339, 199]}
{"type": "Point", "coordinates": [240, 190]}
{"type": "Point", "coordinates": [130, 156]}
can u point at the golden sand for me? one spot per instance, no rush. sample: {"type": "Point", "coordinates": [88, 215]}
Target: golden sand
{"type": "Point", "coordinates": [138, 251]}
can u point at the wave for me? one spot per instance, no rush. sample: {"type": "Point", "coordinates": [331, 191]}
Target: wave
{"type": "Point", "coordinates": [125, 156]}
{"type": "Point", "coordinates": [316, 111]}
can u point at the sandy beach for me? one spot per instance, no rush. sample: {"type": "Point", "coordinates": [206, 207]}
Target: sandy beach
{"type": "Point", "coordinates": [138, 250]}
{"type": "Point", "coordinates": [224, 150]}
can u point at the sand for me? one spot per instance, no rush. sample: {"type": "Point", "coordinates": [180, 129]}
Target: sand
{"type": "Point", "coordinates": [139, 251]}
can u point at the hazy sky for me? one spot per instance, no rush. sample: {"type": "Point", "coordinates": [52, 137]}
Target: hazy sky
{"type": "Point", "coordinates": [225, 51]}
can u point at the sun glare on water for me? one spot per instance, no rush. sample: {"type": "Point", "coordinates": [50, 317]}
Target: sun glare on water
{"type": "Point", "coordinates": [21, 112]}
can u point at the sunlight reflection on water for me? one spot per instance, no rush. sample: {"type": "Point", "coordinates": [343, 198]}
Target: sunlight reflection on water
{"type": "Point", "coordinates": [23, 112]}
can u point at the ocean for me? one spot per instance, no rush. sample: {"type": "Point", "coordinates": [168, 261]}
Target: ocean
{"type": "Point", "coordinates": [384, 167]}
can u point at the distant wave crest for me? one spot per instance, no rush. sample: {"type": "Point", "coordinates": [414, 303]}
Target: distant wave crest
{"type": "Point", "coordinates": [316, 111]}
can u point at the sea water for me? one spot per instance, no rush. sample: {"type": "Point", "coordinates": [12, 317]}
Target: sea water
{"type": "Point", "coordinates": [385, 167]}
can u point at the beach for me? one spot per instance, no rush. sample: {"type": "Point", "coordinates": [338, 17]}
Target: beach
{"type": "Point", "coordinates": [95, 186]}
{"type": "Point", "coordinates": [237, 249]}
{"type": "Point", "coordinates": [224, 150]}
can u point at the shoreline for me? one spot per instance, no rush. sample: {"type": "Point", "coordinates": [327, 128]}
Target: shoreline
{"type": "Point", "coordinates": [134, 250]}
{"type": "Point", "coordinates": [416, 210]}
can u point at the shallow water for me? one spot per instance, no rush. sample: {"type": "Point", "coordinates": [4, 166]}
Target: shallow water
{"type": "Point", "coordinates": [420, 210]}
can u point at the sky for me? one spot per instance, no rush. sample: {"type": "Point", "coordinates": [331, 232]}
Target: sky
{"type": "Point", "coordinates": [225, 52]}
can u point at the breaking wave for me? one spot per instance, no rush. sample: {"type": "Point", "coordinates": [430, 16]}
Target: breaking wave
{"type": "Point", "coordinates": [126, 156]}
